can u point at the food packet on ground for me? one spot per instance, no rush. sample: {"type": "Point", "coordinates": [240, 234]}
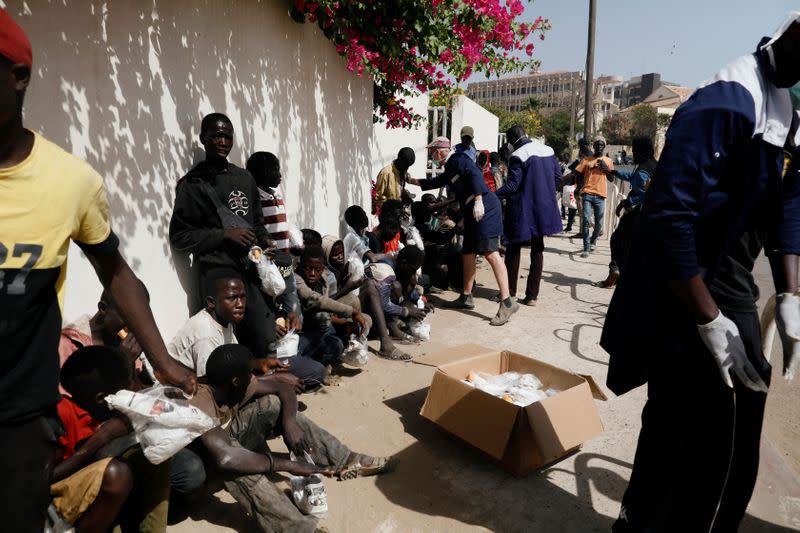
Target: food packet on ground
{"type": "Point", "coordinates": [357, 351]}
{"type": "Point", "coordinates": [309, 492]}
{"type": "Point", "coordinates": [288, 345]}
{"type": "Point", "coordinates": [421, 329]}
{"type": "Point", "coordinates": [162, 418]}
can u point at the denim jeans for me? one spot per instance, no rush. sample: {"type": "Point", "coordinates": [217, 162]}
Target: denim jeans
{"type": "Point", "coordinates": [592, 204]}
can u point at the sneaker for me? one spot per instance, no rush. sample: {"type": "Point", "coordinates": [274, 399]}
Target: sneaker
{"type": "Point", "coordinates": [584, 254]}
{"type": "Point", "coordinates": [577, 236]}
{"type": "Point", "coordinates": [592, 247]}
{"type": "Point", "coordinates": [527, 301]}
{"type": "Point", "coordinates": [503, 314]}
{"type": "Point", "coordinates": [464, 301]}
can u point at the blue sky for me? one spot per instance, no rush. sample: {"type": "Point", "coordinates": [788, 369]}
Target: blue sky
{"type": "Point", "coordinates": [686, 41]}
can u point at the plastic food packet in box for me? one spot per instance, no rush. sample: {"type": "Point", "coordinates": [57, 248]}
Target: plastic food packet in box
{"type": "Point", "coordinates": [357, 352]}
{"type": "Point", "coordinates": [288, 345]}
{"type": "Point", "coordinates": [309, 492]}
{"type": "Point", "coordinates": [162, 418]}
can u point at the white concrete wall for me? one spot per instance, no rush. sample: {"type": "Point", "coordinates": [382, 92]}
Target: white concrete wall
{"type": "Point", "coordinates": [124, 85]}
{"type": "Point", "coordinates": [389, 141]}
{"type": "Point", "coordinates": [468, 113]}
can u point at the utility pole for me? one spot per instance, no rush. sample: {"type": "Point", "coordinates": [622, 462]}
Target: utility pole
{"type": "Point", "coordinates": [572, 109]}
{"type": "Point", "coordinates": [588, 111]}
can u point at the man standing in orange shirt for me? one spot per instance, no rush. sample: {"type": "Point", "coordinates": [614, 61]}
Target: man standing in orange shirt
{"type": "Point", "coordinates": [595, 173]}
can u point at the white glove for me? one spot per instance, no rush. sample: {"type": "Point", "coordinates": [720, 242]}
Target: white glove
{"type": "Point", "coordinates": [477, 210]}
{"type": "Point", "coordinates": [722, 338]}
{"type": "Point", "coordinates": [787, 318]}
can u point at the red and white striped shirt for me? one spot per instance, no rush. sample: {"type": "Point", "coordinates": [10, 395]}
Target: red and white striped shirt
{"type": "Point", "coordinates": [275, 221]}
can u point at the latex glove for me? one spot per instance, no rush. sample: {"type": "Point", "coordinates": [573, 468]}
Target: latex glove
{"type": "Point", "coordinates": [477, 210]}
{"type": "Point", "coordinates": [722, 338]}
{"type": "Point", "coordinates": [787, 318]}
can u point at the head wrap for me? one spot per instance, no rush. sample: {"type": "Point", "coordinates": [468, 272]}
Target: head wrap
{"type": "Point", "coordinates": [14, 43]}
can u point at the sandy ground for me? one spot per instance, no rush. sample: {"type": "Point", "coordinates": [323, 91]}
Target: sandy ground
{"type": "Point", "coordinates": [443, 485]}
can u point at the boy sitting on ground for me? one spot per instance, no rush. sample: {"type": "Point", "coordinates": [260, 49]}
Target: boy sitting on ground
{"type": "Point", "coordinates": [318, 339]}
{"type": "Point", "coordinates": [105, 328]}
{"type": "Point", "coordinates": [252, 410]}
{"type": "Point", "coordinates": [216, 325]}
{"type": "Point", "coordinates": [90, 490]}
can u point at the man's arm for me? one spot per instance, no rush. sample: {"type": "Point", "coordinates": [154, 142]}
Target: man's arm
{"type": "Point", "coordinates": [184, 233]}
{"type": "Point", "coordinates": [241, 461]}
{"type": "Point", "coordinates": [292, 434]}
{"type": "Point", "coordinates": [784, 272]}
{"type": "Point", "coordinates": [130, 299]}
{"type": "Point", "coordinates": [117, 426]}
{"type": "Point", "coordinates": [313, 300]}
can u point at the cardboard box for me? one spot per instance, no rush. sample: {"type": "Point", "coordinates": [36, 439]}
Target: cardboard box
{"type": "Point", "coordinates": [519, 439]}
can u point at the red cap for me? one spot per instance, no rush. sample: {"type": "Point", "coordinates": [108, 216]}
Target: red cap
{"type": "Point", "coordinates": [14, 44]}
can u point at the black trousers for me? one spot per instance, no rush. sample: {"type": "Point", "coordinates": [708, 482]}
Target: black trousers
{"type": "Point", "coordinates": [513, 254]}
{"type": "Point", "coordinates": [27, 452]}
{"type": "Point", "coordinates": [621, 240]}
{"type": "Point", "coordinates": [697, 458]}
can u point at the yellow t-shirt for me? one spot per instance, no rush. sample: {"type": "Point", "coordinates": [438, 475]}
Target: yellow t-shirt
{"type": "Point", "coordinates": [595, 181]}
{"type": "Point", "coordinates": [46, 200]}
{"type": "Point", "coordinates": [389, 184]}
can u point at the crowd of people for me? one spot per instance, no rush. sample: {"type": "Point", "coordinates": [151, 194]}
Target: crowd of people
{"type": "Point", "coordinates": [275, 309]}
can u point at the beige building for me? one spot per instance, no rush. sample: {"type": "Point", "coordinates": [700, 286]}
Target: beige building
{"type": "Point", "coordinates": [668, 96]}
{"type": "Point", "coordinates": [555, 91]}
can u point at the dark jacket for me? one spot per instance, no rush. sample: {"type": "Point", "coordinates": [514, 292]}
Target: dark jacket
{"type": "Point", "coordinates": [195, 227]}
{"type": "Point", "coordinates": [721, 164]}
{"type": "Point", "coordinates": [465, 179]}
{"type": "Point", "coordinates": [530, 190]}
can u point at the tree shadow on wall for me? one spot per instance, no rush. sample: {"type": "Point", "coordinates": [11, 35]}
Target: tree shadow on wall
{"type": "Point", "coordinates": [125, 85]}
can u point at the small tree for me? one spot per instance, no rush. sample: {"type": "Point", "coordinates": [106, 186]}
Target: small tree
{"type": "Point", "coordinates": [556, 131]}
{"type": "Point", "coordinates": [644, 121]}
{"type": "Point", "coordinates": [617, 128]}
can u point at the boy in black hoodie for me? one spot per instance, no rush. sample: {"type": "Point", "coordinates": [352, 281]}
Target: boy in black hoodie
{"type": "Point", "coordinates": [217, 218]}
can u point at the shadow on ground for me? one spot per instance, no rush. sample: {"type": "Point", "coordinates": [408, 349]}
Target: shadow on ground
{"type": "Point", "coordinates": [441, 476]}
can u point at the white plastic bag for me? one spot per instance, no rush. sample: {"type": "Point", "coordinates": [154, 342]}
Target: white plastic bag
{"type": "Point", "coordinates": [421, 329]}
{"type": "Point", "coordinates": [288, 345]}
{"type": "Point", "coordinates": [355, 267]}
{"type": "Point", "coordinates": [272, 282]}
{"type": "Point", "coordinates": [309, 493]}
{"type": "Point", "coordinates": [295, 237]}
{"type": "Point", "coordinates": [162, 418]}
{"type": "Point", "coordinates": [513, 387]}
{"type": "Point", "coordinates": [357, 352]}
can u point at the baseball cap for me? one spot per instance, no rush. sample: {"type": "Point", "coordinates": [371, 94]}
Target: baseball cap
{"type": "Point", "coordinates": [440, 142]}
{"type": "Point", "coordinates": [14, 44]}
{"type": "Point", "coordinates": [467, 131]}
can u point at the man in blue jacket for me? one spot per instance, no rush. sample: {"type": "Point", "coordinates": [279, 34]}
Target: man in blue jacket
{"type": "Point", "coordinates": [531, 210]}
{"type": "Point", "coordinates": [720, 193]}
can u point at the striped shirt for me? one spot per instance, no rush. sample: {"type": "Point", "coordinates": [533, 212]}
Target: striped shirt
{"type": "Point", "coordinates": [274, 211]}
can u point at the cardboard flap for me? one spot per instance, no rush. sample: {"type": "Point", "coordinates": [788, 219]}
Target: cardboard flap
{"type": "Point", "coordinates": [455, 354]}
{"type": "Point", "coordinates": [564, 421]}
{"type": "Point", "coordinates": [597, 392]}
{"type": "Point", "coordinates": [479, 418]}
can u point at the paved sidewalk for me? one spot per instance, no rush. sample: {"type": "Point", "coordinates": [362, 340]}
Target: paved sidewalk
{"type": "Point", "coordinates": [443, 485]}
